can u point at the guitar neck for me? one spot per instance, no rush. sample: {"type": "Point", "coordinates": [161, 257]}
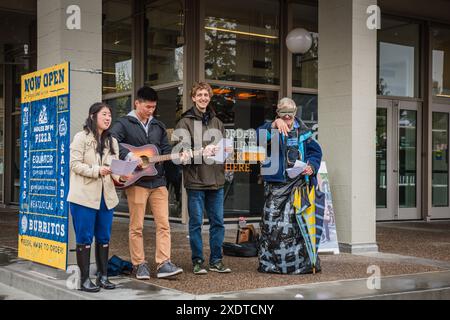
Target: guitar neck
{"type": "Point", "coordinates": [164, 157]}
{"type": "Point", "coordinates": [170, 156]}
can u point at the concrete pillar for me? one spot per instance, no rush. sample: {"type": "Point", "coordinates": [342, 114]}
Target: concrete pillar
{"type": "Point", "coordinates": [83, 49]}
{"type": "Point", "coordinates": [347, 118]}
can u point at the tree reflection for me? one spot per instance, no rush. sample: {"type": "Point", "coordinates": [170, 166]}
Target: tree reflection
{"type": "Point", "coordinates": [220, 49]}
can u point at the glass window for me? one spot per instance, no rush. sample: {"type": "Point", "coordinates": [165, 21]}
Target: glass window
{"type": "Point", "coordinates": [169, 110]}
{"type": "Point", "coordinates": [305, 66]}
{"type": "Point", "coordinates": [15, 170]}
{"type": "Point", "coordinates": [407, 160]}
{"type": "Point", "coordinates": [441, 61]}
{"type": "Point", "coordinates": [116, 61]}
{"type": "Point", "coordinates": [307, 109]}
{"type": "Point", "coordinates": [242, 41]}
{"type": "Point", "coordinates": [2, 133]}
{"type": "Point", "coordinates": [18, 71]}
{"type": "Point", "coordinates": [440, 159]}
{"type": "Point", "coordinates": [164, 43]}
{"type": "Point", "coordinates": [381, 158]}
{"type": "Point", "coordinates": [170, 106]}
{"type": "Point", "coordinates": [398, 58]}
{"type": "Point", "coordinates": [120, 106]}
{"type": "Point", "coordinates": [242, 111]}
{"type": "Point", "coordinates": [17, 29]}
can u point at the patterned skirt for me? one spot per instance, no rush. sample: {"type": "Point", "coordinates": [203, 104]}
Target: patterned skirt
{"type": "Point", "coordinates": [281, 245]}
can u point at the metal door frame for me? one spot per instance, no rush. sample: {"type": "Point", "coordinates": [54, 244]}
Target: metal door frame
{"type": "Point", "coordinates": [441, 212]}
{"type": "Point", "coordinates": [383, 214]}
{"type": "Point", "coordinates": [392, 210]}
{"type": "Point", "coordinates": [411, 213]}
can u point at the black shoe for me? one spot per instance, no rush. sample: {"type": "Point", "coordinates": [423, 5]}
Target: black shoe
{"type": "Point", "coordinates": [101, 259]}
{"type": "Point", "coordinates": [83, 261]}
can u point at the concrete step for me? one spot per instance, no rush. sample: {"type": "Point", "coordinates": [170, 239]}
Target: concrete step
{"type": "Point", "coordinates": [48, 283]}
{"type": "Point", "coordinates": [423, 286]}
{"type": "Point", "coordinates": [10, 293]}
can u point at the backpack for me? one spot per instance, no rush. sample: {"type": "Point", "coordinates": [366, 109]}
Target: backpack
{"type": "Point", "coordinates": [117, 266]}
{"type": "Point", "coordinates": [244, 249]}
{"type": "Point", "coordinates": [246, 243]}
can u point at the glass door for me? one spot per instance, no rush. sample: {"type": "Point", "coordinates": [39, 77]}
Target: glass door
{"type": "Point", "coordinates": [408, 157]}
{"type": "Point", "coordinates": [440, 162]}
{"type": "Point", "coordinates": [384, 171]}
{"type": "Point", "coordinates": [398, 160]}
{"type": "Point", "coordinates": [2, 134]}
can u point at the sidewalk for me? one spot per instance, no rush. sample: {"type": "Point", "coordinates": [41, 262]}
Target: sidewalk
{"type": "Point", "coordinates": [410, 250]}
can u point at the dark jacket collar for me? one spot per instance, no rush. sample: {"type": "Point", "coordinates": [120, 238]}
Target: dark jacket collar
{"type": "Point", "coordinates": [134, 120]}
{"type": "Point", "coordinates": [195, 113]}
{"type": "Point", "coordinates": [303, 127]}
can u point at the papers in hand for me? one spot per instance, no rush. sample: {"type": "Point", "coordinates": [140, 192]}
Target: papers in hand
{"type": "Point", "coordinates": [299, 167]}
{"type": "Point", "coordinates": [221, 155]}
{"type": "Point", "coordinates": [123, 168]}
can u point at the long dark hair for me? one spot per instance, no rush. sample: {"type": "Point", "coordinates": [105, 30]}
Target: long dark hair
{"type": "Point", "coordinates": [91, 126]}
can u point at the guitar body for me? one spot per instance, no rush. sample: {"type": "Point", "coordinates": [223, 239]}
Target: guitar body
{"type": "Point", "coordinates": [148, 168]}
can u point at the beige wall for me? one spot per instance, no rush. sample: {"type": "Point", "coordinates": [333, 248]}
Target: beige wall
{"type": "Point", "coordinates": [83, 49]}
{"type": "Point", "coordinates": [347, 117]}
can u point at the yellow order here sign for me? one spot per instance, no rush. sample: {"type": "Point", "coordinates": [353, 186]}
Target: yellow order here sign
{"type": "Point", "coordinates": [46, 83]}
{"type": "Point", "coordinates": [48, 252]}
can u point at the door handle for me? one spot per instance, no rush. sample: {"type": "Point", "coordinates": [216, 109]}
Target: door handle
{"type": "Point", "coordinates": [396, 171]}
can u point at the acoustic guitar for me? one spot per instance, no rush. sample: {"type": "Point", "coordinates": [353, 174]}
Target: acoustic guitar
{"type": "Point", "coordinates": [150, 156]}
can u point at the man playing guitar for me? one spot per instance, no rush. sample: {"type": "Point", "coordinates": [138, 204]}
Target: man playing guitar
{"type": "Point", "coordinates": [139, 128]}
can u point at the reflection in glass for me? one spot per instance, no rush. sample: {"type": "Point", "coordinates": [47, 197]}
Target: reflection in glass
{"type": "Point", "coordinates": [16, 159]}
{"type": "Point", "coordinates": [116, 35]}
{"type": "Point", "coordinates": [305, 66]}
{"type": "Point", "coordinates": [398, 58]}
{"type": "Point", "coordinates": [242, 45]}
{"type": "Point", "coordinates": [381, 158]}
{"type": "Point", "coordinates": [170, 106]}
{"type": "Point", "coordinates": [441, 61]}
{"type": "Point", "coordinates": [169, 110]}
{"type": "Point", "coordinates": [440, 159]}
{"type": "Point", "coordinates": [120, 106]}
{"type": "Point", "coordinates": [164, 48]}
{"type": "Point", "coordinates": [2, 134]}
{"type": "Point", "coordinates": [18, 71]}
{"type": "Point", "coordinates": [307, 109]}
{"type": "Point", "coordinates": [407, 158]}
{"type": "Point", "coordinates": [242, 111]}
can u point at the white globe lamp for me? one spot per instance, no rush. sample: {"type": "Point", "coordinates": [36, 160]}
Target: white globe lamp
{"type": "Point", "coordinates": [299, 40]}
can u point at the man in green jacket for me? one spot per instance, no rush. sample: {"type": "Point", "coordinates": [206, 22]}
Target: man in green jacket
{"type": "Point", "coordinates": [203, 180]}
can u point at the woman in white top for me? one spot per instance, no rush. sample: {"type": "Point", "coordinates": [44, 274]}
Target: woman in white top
{"type": "Point", "coordinates": [92, 194]}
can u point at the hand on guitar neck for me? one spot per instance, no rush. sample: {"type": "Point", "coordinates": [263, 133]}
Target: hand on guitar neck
{"type": "Point", "coordinates": [210, 150]}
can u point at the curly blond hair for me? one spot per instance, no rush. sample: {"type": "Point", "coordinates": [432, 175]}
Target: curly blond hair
{"type": "Point", "coordinates": [201, 86]}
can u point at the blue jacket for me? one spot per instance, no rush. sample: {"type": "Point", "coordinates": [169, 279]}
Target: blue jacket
{"type": "Point", "coordinates": [310, 149]}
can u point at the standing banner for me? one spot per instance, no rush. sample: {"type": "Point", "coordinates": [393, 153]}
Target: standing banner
{"type": "Point", "coordinates": [44, 158]}
{"type": "Point", "coordinates": [329, 241]}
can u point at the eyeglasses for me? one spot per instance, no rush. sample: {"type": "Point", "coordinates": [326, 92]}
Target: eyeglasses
{"type": "Point", "coordinates": [286, 112]}
{"type": "Point", "coordinates": [286, 115]}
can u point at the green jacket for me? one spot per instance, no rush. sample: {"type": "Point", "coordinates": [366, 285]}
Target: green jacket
{"type": "Point", "coordinates": [201, 176]}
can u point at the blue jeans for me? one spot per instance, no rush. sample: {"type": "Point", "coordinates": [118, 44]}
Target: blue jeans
{"type": "Point", "coordinates": [89, 222]}
{"type": "Point", "coordinates": [212, 201]}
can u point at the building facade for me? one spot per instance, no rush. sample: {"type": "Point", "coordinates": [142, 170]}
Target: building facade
{"type": "Point", "coordinates": [377, 100]}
